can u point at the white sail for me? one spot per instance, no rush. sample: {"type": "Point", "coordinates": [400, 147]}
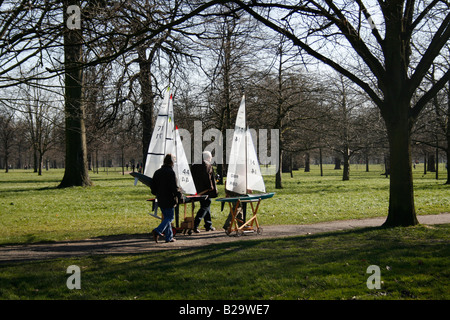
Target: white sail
{"type": "Point", "coordinates": [243, 169]}
{"type": "Point", "coordinates": [174, 146]}
{"type": "Point", "coordinates": [166, 139]}
{"type": "Point", "coordinates": [236, 175]}
{"type": "Point", "coordinates": [182, 169]}
{"type": "Point", "coordinates": [157, 147]}
{"type": "Point", "coordinates": [254, 177]}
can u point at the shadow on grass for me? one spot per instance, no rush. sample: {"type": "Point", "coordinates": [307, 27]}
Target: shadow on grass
{"type": "Point", "coordinates": [101, 245]}
{"type": "Point", "coordinates": [281, 267]}
{"type": "Point", "coordinates": [48, 188]}
{"type": "Point", "coordinates": [329, 265]}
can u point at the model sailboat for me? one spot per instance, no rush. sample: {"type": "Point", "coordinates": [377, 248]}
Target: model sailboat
{"type": "Point", "coordinates": [166, 139]}
{"type": "Point", "coordinates": [244, 173]}
{"type": "Point", "coordinates": [244, 176]}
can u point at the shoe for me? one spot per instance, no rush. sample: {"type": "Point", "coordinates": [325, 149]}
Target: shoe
{"type": "Point", "coordinates": [155, 235]}
{"type": "Point", "coordinates": [195, 230]}
{"type": "Point", "coordinates": [211, 229]}
{"type": "Point", "coordinates": [173, 240]}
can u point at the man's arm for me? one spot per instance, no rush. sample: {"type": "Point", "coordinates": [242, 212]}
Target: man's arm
{"type": "Point", "coordinates": [155, 183]}
{"type": "Point", "coordinates": [174, 186]}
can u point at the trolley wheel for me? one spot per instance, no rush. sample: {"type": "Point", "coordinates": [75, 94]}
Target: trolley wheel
{"type": "Point", "coordinates": [174, 231]}
{"type": "Point", "coordinates": [189, 231]}
{"type": "Point", "coordinates": [228, 231]}
{"type": "Point", "coordinates": [239, 233]}
{"type": "Point", "coordinates": [259, 230]}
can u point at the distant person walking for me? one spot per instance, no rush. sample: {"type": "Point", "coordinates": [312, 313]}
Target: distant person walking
{"type": "Point", "coordinates": [164, 185]}
{"type": "Point", "coordinates": [205, 183]}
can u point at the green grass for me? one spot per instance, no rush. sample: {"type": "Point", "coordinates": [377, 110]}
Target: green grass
{"type": "Point", "coordinates": [413, 264]}
{"type": "Point", "coordinates": [32, 209]}
{"type": "Point", "coordinates": [413, 261]}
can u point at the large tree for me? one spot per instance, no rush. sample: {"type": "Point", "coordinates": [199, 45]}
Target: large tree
{"type": "Point", "coordinates": [30, 42]}
{"type": "Point", "coordinates": [76, 167]}
{"type": "Point", "coordinates": [6, 135]}
{"type": "Point", "coordinates": [373, 44]}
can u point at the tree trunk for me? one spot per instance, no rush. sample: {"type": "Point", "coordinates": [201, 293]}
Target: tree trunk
{"type": "Point", "coordinates": [367, 162]}
{"type": "Point", "coordinates": [76, 169]}
{"type": "Point", "coordinates": [40, 163]}
{"type": "Point", "coordinates": [278, 184]}
{"type": "Point", "coordinates": [401, 192]}
{"type": "Point", "coordinates": [346, 171]}
{"type": "Point", "coordinates": [146, 107]}
{"type": "Point", "coordinates": [437, 160]}
{"type": "Point", "coordinates": [6, 162]}
{"type": "Point", "coordinates": [291, 164]}
{"type": "Point", "coordinates": [447, 135]}
{"type": "Point", "coordinates": [425, 163]}
{"type": "Point", "coordinates": [337, 163]}
{"type": "Point", "coordinates": [431, 163]}
{"type": "Point", "coordinates": [307, 164]}
{"type": "Point", "coordinates": [387, 166]}
{"type": "Point", "coordinates": [35, 159]}
{"type": "Point", "coordinates": [321, 162]}
{"type": "Point", "coordinates": [447, 166]}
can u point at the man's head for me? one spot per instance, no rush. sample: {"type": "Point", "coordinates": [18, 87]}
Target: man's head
{"type": "Point", "coordinates": [169, 160]}
{"type": "Point", "coordinates": [207, 156]}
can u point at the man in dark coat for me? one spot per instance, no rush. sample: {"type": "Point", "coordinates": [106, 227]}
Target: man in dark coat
{"type": "Point", "coordinates": [205, 183]}
{"type": "Point", "coordinates": [165, 187]}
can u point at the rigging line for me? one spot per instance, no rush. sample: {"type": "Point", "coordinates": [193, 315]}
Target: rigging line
{"type": "Point", "coordinates": [167, 124]}
{"type": "Point", "coordinates": [245, 141]}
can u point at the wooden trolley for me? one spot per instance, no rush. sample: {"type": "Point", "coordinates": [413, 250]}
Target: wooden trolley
{"type": "Point", "coordinates": [240, 226]}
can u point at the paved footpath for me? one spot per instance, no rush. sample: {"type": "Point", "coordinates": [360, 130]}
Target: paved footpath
{"type": "Point", "coordinates": [141, 243]}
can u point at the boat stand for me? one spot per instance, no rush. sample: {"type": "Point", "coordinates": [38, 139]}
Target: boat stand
{"type": "Point", "coordinates": [188, 222]}
{"type": "Point", "coordinates": [239, 226]}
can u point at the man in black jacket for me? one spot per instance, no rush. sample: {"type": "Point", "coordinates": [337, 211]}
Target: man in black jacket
{"type": "Point", "coordinates": [205, 183]}
{"type": "Point", "coordinates": [165, 187]}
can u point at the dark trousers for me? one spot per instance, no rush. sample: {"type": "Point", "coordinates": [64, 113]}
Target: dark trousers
{"type": "Point", "coordinates": [204, 213]}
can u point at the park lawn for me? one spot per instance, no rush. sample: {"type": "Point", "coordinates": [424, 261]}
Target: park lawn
{"type": "Point", "coordinates": [413, 264]}
{"type": "Point", "coordinates": [413, 261]}
{"type": "Point", "coordinates": [32, 209]}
